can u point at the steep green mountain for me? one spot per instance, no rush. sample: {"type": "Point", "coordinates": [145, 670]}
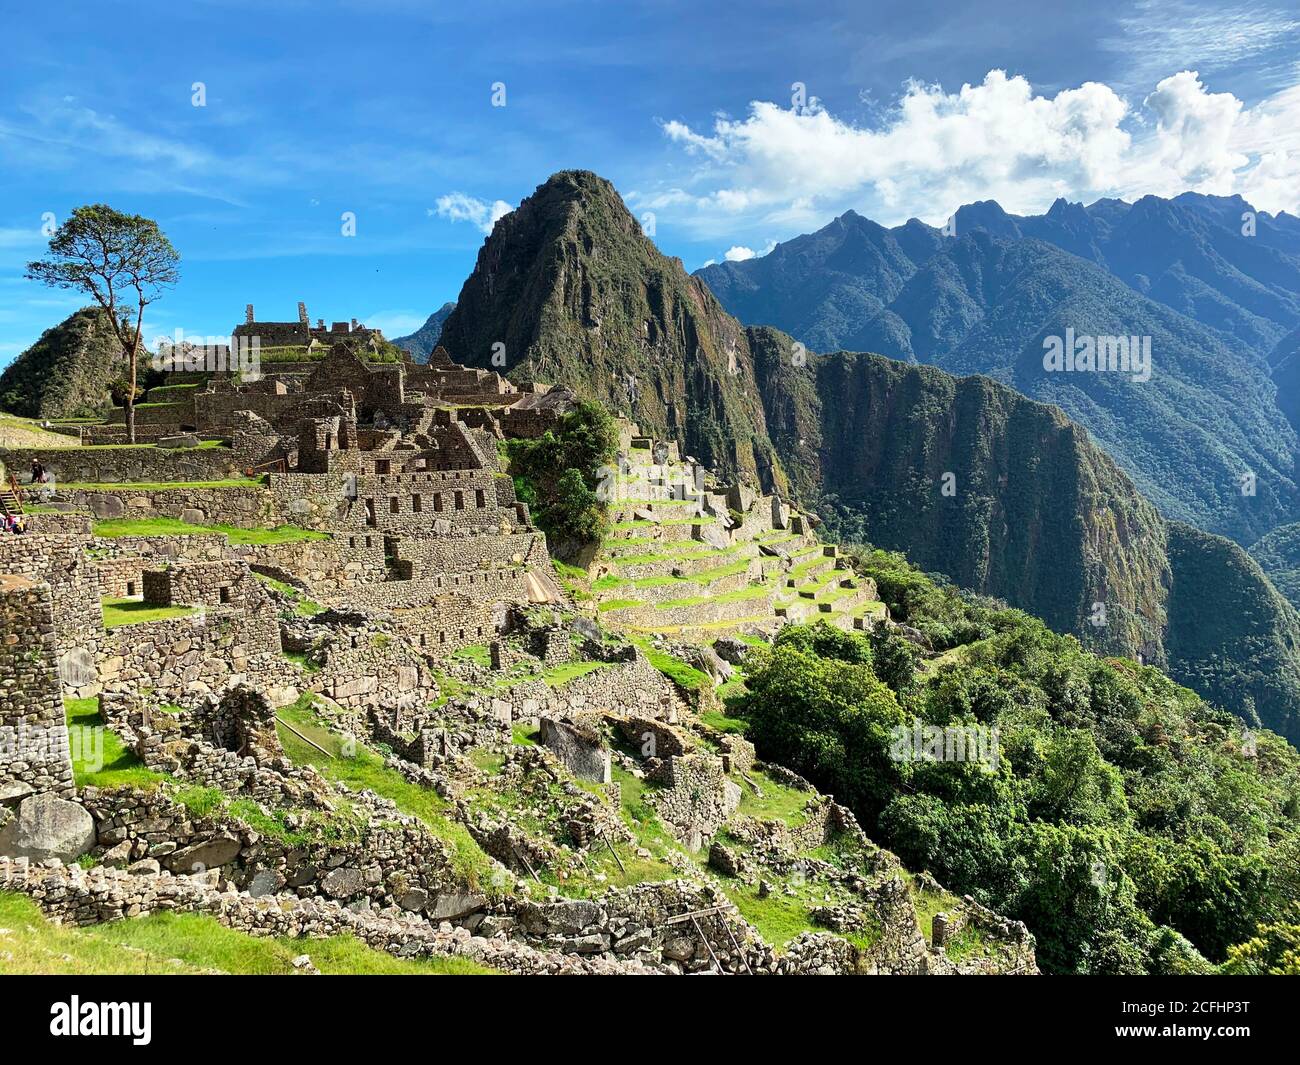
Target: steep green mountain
{"type": "Point", "coordinates": [567, 287]}
{"type": "Point", "coordinates": [1285, 360]}
{"type": "Point", "coordinates": [67, 372]}
{"type": "Point", "coordinates": [1231, 635]}
{"type": "Point", "coordinates": [987, 302]}
{"type": "Point", "coordinates": [1003, 494]}
{"type": "Point", "coordinates": [422, 342]}
{"type": "Point", "coordinates": [1278, 555]}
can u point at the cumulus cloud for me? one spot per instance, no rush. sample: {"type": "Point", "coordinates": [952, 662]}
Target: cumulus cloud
{"type": "Point", "coordinates": [737, 253]}
{"type": "Point", "coordinates": [459, 207]}
{"type": "Point", "coordinates": [996, 140]}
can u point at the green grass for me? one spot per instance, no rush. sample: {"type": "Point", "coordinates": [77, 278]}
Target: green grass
{"type": "Point", "coordinates": [649, 834]}
{"type": "Point", "coordinates": [778, 918]}
{"type": "Point", "coordinates": [201, 801]}
{"type": "Point", "coordinates": [740, 595]}
{"type": "Point", "coordinates": [927, 904]}
{"type": "Point", "coordinates": [779, 802]}
{"type": "Point", "coordinates": [564, 570]}
{"type": "Point", "coordinates": [366, 769]}
{"type": "Point", "coordinates": [299, 659]}
{"type": "Point", "coordinates": [186, 944]}
{"type": "Point", "coordinates": [720, 721]}
{"type": "Point", "coordinates": [680, 673]}
{"type": "Point", "coordinates": [281, 534]}
{"type": "Point", "coordinates": [301, 604]}
{"type": "Point", "coordinates": [559, 676]}
{"type": "Point", "coordinates": [478, 653]}
{"type": "Point", "coordinates": [100, 758]}
{"type": "Point", "coordinates": [118, 612]}
{"type": "Point", "coordinates": [489, 762]}
{"type": "Point", "coordinates": [618, 604]}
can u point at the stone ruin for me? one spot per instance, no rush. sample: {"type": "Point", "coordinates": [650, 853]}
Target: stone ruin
{"type": "Point", "coordinates": [437, 634]}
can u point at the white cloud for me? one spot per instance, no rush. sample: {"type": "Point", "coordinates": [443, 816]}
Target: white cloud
{"type": "Point", "coordinates": [995, 140]}
{"type": "Point", "coordinates": [459, 207]}
{"type": "Point", "coordinates": [738, 254]}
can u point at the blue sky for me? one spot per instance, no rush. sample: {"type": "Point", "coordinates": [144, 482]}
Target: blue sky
{"type": "Point", "coordinates": [734, 125]}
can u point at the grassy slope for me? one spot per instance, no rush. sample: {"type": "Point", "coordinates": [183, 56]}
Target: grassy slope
{"type": "Point", "coordinates": [186, 944]}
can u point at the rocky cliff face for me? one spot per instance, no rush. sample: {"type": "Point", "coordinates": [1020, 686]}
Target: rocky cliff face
{"type": "Point", "coordinates": [568, 288]}
{"type": "Point", "coordinates": [67, 372]}
{"type": "Point", "coordinates": [971, 479]}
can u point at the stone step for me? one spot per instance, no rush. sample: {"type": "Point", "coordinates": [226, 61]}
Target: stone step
{"type": "Point", "coordinates": [676, 589]}
{"type": "Point", "coordinates": [708, 611]}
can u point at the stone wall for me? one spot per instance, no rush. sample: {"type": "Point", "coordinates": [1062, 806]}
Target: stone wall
{"type": "Point", "coordinates": [186, 657]}
{"type": "Point", "coordinates": [207, 584]}
{"type": "Point", "coordinates": [334, 565]}
{"type": "Point", "coordinates": [696, 798]}
{"type": "Point", "coordinates": [246, 507]}
{"type": "Point", "coordinates": [122, 577]}
{"type": "Point", "coordinates": [61, 560]}
{"type": "Point", "coordinates": [34, 755]}
{"type": "Point", "coordinates": [619, 688]}
{"type": "Point", "coordinates": [123, 464]}
{"type": "Point", "coordinates": [73, 896]}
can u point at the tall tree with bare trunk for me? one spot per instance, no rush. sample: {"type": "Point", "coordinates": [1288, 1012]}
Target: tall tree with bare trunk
{"type": "Point", "coordinates": [124, 263]}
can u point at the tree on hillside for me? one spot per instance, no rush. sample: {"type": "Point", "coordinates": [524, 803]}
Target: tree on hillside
{"type": "Point", "coordinates": [119, 261]}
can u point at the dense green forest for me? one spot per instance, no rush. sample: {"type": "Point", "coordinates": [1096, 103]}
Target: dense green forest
{"type": "Point", "coordinates": [1134, 827]}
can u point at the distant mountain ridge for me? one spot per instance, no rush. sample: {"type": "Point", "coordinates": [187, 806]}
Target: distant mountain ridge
{"type": "Point", "coordinates": [422, 342]}
{"type": "Point", "coordinates": [1217, 306]}
{"type": "Point", "coordinates": [568, 289]}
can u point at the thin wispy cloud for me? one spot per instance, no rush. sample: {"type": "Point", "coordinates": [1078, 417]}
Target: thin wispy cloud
{"type": "Point", "coordinates": [1163, 35]}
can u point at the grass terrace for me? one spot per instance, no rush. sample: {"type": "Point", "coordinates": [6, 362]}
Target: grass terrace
{"type": "Point", "coordinates": [355, 765]}
{"type": "Point", "coordinates": [119, 612]}
{"type": "Point", "coordinates": [99, 758]}
{"type": "Point", "coordinates": [158, 486]}
{"type": "Point", "coordinates": [281, 534]}
{"type": "Point", "coordinates": [301, 603]}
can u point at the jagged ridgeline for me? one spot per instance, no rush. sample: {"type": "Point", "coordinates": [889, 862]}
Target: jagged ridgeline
{"type": "Point", "coordinates": [983, 295]}
{"type": "Point", "coordinates": [570, 290]}
{"type": "Point", "coordinates": [1035, 513]}
{"type": "Point", "coordinates": [68, 372]}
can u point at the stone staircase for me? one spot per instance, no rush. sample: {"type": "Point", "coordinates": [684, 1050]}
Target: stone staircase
{"type": "Point", "coordinates": [11, 500]}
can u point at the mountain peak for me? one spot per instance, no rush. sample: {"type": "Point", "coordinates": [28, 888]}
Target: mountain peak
{"type": "Point", "coordinates": [569, 288]}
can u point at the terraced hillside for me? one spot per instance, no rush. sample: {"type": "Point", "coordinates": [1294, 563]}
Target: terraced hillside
{"type": "Point", "coordinates": [685, 558]}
